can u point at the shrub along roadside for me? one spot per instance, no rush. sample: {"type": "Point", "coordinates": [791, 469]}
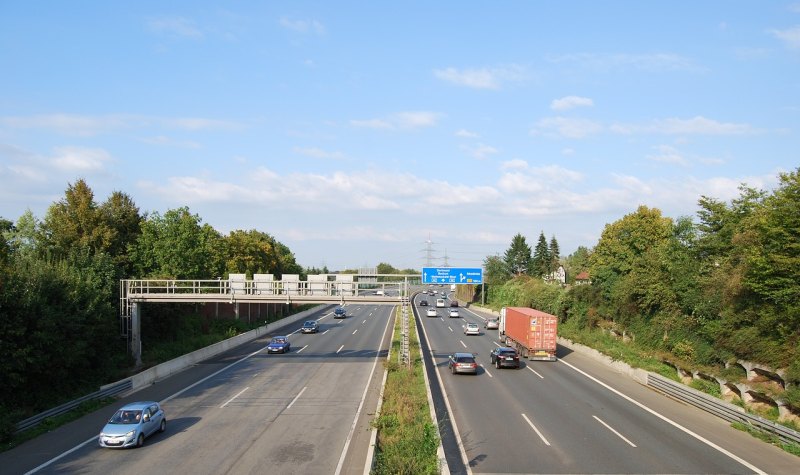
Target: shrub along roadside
{"type": "Point", "coordinates": [407, 438]}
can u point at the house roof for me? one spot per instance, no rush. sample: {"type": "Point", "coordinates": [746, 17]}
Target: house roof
{"type": "Point", "coordinates": [582, 276]}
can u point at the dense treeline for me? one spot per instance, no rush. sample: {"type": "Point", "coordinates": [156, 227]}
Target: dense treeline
{"type": "Point", "coordinates": [59, 285]}
{"type": "Point", "coordinates": [705, 292]}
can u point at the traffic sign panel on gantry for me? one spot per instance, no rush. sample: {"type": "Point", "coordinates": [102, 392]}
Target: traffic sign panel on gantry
{"type": "Point", "coordinates": [452, 275]}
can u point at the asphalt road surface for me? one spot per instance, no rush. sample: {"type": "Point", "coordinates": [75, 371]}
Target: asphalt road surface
{"type": "Point", "coordinates": [577, 416]}
{"type": "Point", "coordinates": [304, 412]}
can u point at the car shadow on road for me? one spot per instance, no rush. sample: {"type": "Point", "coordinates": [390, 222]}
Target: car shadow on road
{"type": "Point", "coordinates": [174, 427]}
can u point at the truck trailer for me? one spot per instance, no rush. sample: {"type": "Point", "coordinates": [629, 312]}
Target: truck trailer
{"type": "Point", "coordinates": [531, 332]}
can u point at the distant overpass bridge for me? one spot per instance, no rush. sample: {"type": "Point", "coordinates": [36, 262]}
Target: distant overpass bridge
{"type": "Point", "coordinates": [338, 289]}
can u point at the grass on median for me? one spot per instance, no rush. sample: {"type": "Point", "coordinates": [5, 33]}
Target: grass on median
{"type": "Point", "coordinates": [407, 438]}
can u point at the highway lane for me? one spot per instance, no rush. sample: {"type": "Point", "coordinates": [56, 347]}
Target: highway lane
{"type": "Point", "coordinates": [291, 413]}
{"type": "Point", "coordinates": [550, 418]}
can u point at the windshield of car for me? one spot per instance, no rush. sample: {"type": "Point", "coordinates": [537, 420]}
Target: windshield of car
{"type": "Point", "coordinates": [126, 417]}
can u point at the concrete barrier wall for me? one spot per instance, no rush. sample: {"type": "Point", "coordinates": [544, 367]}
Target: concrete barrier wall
{"type": "Point", "coordinates": [163, 370]}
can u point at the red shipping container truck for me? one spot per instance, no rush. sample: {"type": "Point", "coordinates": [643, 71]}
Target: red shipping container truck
{"type": "Point", "coordinates": [531, 332]}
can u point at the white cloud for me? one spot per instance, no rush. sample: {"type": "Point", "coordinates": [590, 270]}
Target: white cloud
{"type": "Point", "coordinates": [303, 26]}
{"type": "Point", "coordinates": [78, 159]}
{"type": "Point", "coordinates": [667, 154]}
{"type": "Point", "coordinates": [567, 151]}
{"type": "Point", "coordinates": [528, 180]}
{"type": "Point", "coordinates": [566, 127]}
{"type": "Point", "coordinates": [175, 25]}
{"type": "Point", "coordinates": [467, 134]}
{"type": "Point", "coordinates": [570, 102]}
{"type": "Point", "coordinates": [484, 78]}
{"type": "Point", "coordinates": [479, 151]}
{"type": "Point", "coordinates": [400, 120]}
{"type": "Point", "coordinates": [790, 37]}
{"type": "Point", "coordinates": [514, 164]}
{"type": "Point", "coordinates": [695, 126]}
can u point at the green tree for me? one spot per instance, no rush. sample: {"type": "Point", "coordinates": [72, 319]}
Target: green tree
{"type": "Point", "coordinates": [75, 223]}
{"type": "Point", "coordinates": [252, 252]}
{"type": "Point", "coordinates": [772, 255]}
{"type": "Point", "coordinates": [555, 254]}
{"type": "Point", "coordinates": [518, 256]}
{"type": "Point", "coordinates": [541, 264]}
{"type": "Point", "coordinates": [623, 248]}
{"type": "Point", "coordinates": [576, 263]}
{"type": "Point", "coordinates": [177, 245]}
{"type": "Point", "coordinates": [121, 216]}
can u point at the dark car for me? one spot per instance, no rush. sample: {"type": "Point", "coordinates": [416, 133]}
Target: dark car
{"type": "Point", "coordinates": [423, 303]}
{"type": "Point", "coordinates": [131, 424]}
{"type": "Point", "coordinates": [505, 357]}
{"type": "Point", "coordinates": [454, 303]}
{"type": "Point", "coordinates": [462, 363]}
{"type": "Point", "coordinates": [279, 344]}
{"type": "Point", "coordinates": [310, 326]}
{"type": "Point", "coordinates": [339, 313]}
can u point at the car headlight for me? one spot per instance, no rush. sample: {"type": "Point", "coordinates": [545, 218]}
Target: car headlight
{"type": "Point", "coordinates": [130, 434]}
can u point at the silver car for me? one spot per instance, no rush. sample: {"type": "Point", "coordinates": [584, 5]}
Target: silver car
{"type": "Point", "coordinates": [130, 425]}
{"type": "Point", "coordinates": [492, 324]}
{"type": "Point", "coordinates": [472, 329]}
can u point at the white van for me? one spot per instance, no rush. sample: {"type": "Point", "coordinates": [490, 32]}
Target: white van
{"type": "Point", "coordinates": [440, 302]}
{"type": "Point", "coordinates": [452, 287]}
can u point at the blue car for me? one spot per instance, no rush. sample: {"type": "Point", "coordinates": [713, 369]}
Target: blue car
{"type": "Point", "coordinates": [130, 425]}
{"type": "Point", "coordinates": [339, 313]}
{"type": "Point", "coordinates": [279, 344]}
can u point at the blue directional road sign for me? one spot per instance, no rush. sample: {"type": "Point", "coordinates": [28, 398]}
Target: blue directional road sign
{"type": "Point", "coordinates": [452, 275]}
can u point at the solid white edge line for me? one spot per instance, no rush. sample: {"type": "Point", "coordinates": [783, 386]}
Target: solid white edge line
{"type": "Point", "coordinates": [614, 431]}
{"type": "Point", "coordinates": [534, 372]}
{"type": "Point", "coordinates": [452, 418]}
{"type": "Point", "coordinates": [297, 397]}
{"type": "Point", "coordinates": [360, 404]}
{"type": "Point", "coordinates": [535, 429]}
{"type": "Point", "coordinates": [234, 397]}
{"type": "Point", "coordinates": [669, 421]}
{"type": "Point", "coordinates": [59, 457]}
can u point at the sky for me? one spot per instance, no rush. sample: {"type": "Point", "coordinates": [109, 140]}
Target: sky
{"type": "Point", "coordinates": [412, 133]}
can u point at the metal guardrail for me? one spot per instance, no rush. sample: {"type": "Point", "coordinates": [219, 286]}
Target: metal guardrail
{"type": "Point", "coordinates": [720, 408]}
{"type": "Point", "coordinates": [108, 391]}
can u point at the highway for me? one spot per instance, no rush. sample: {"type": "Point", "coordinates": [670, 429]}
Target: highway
{"type": "Point", "coordinates": [576, 416]}
{"type": "Point", "coordinates": [253, 412]}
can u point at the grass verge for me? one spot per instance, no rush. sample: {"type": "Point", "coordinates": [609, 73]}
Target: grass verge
{"type": "Point", "coordinates": [407, 438]}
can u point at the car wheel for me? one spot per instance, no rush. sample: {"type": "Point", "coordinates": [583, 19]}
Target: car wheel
{"type": "Point", "coordinates": [497, 364]}
{"type": "Point", "coordinates": [140, 440]}
{"type": "Point", "coordinates": [453, 370]}
{"type": "Point", "coordinates": [163, 426]}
